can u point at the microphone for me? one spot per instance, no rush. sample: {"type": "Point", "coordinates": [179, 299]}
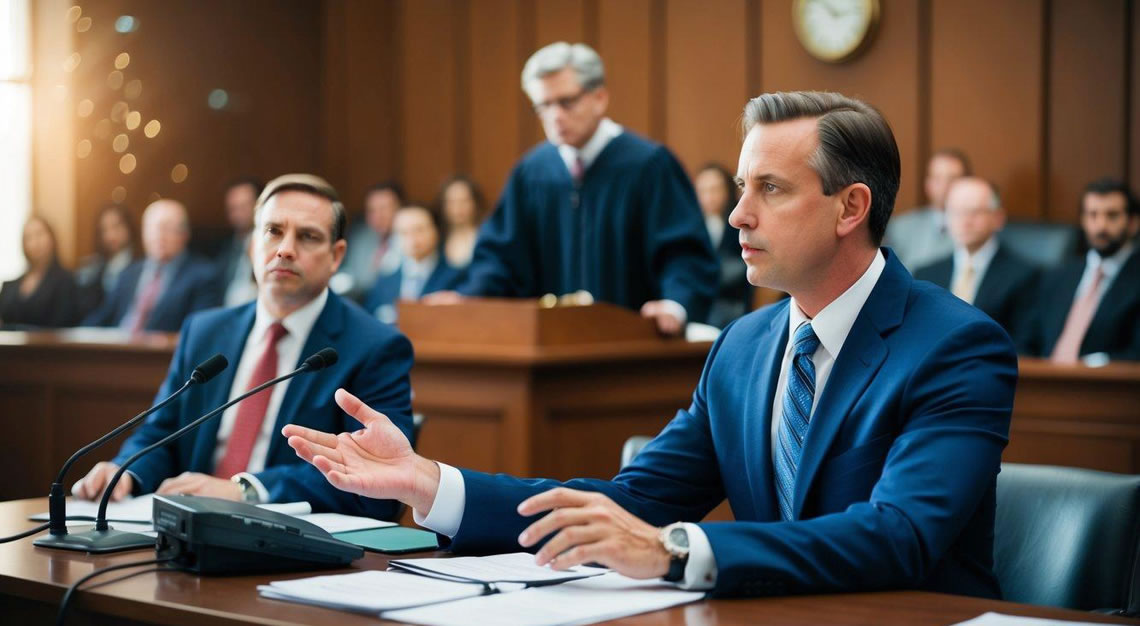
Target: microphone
{"type": "Point", "coordinates": [103, 538]}
{"type": "Point", "coordinates": [57, 498]}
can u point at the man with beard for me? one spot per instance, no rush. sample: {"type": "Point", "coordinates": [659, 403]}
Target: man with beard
{"type": "Point", "coordinates": [1094, 307]}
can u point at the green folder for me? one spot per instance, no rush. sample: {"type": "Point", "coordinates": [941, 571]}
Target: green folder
{"type": "Point", "coordinates": [391, 539]}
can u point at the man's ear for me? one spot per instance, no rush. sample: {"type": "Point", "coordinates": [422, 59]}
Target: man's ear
{"type": "Point", "coordinates": [855, 208]}
{"type": "Point", "coordinates": [338, 253]}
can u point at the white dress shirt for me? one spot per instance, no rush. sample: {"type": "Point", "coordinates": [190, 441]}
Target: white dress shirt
{"type": "Point", "coordinates": [979, 261]}
{"type": "Point", "coordinates": [1110, 267]}
{"type": "Point", "coordinates": [831, 325]}
{"type": "Point", "coordinates": [715, 225]}
{"type": "Point", "coordinates": [289, 347]}
{"type": "Point", "coordinates": [415, 274]}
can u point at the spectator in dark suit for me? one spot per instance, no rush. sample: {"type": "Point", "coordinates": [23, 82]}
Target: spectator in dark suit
{"type": "Point", "coordinates": [981, 270]}
{"type": "Point", "coordinates": [116, 247]}
{"type": "Point", "coordinates": [233, 265]}
{"type": "Point", "coordinates": [716, 193]}
{"type": "Point", "coordinates": [1092, 306]}
{"type": "Point", "coordinates": [46, 295]}
{"type": "Point", "coordinates": [423, 269]}
{"type": "Point", "coordinates": [372, 247]}
{"type": "Point", "coordinates": [158, 292]}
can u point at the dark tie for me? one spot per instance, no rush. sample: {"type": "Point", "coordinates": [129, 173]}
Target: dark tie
{"type": "Point", "coordinates": [251, 411]}
{"type": "Point", "coordinates": [798, 398]}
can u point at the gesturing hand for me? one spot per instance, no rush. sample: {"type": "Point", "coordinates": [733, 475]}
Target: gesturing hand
{"type": "Point", "coordinates": [588, 527]}
{"type": "Point", "coordinates": [376, 461]}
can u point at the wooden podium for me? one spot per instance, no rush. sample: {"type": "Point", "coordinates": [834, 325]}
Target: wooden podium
{"type": "Point", "coordinates": [510, 386]}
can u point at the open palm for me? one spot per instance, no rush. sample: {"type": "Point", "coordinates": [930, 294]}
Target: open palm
{"type": "Point", "coordinates": [376, 461]}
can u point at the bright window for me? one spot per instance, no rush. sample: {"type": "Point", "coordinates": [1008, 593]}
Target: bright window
{"type": "Point", "coordinates": [15, 133]}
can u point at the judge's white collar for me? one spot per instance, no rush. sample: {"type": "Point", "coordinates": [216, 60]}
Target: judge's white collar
{"type": "Point", "coordinates": [606, 132]}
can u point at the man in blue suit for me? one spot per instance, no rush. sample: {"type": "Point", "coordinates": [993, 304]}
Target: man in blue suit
{"type": "Point", "coordinates": [297, 246]}
{"type": "Point", "coordinates": [158, 292]}
{"type": "Point", "coordinates": [422, 269]}
{"type": "Point", "coordinates": [855, 428]}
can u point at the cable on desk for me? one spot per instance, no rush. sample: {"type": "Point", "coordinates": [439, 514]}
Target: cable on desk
{"type": "Point", "coordinates": [41, 528]}
{"type": "Point", "coordinates": [103, 570]}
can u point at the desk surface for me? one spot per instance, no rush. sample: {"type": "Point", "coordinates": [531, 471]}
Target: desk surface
{"type": "Point", "coordinates": [37, 576]}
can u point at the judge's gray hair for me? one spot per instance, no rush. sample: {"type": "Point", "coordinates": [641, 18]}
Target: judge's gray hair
{"type": "Point", "coordinates": [586, 63]}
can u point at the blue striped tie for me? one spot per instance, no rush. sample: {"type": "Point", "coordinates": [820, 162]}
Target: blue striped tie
{"type": "Point", "coordinates": [794, 421]}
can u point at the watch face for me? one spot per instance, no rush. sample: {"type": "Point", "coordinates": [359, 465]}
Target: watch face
{"type": "Point", "coordinates": [679, 537]}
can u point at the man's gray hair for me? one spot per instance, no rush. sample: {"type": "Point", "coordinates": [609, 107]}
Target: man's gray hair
{"type": "Point", "coordinates": [586, 63]}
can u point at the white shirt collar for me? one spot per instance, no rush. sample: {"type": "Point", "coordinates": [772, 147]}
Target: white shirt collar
{"type": "Point", "coordinates": [606, 132]}
{"type": "Point", "coordinates": [980, 260]}
{"type": "Point", "coordinates": [298, 323]}
{"type": "Point", "coordinates": [834, 322]}
{"type": "Point", "coordinates": [1110, 266]}
{"type": "Point", "coordinates": [422, 268]}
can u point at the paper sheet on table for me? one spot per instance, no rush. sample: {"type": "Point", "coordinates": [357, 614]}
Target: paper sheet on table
{"type": "Point", "coordinates": [586, 601]}
{"type": "Point", "coordinates": [369, 592]}
{"type": "Point", "coordinates": [998, 619]}
{"type": "Point", "coordinates": [139, 509]}
{"type": "Point", "coordinates": [337, 523]}
{"type": "Point", "coordinates": [516, 567]}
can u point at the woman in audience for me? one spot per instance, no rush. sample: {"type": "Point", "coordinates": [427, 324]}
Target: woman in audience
{"type": "Point", "coordinates": [115, 249]}
{"type": "Point", "coordinates": [460, 204]}
{"type": "Point", "coordinates": [716, 193]}
{"type": "Point", "coordinates": [46, 295]}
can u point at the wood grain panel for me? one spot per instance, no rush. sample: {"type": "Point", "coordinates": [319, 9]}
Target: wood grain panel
{"type": "Point", "coordinates": [1087, 84]}
{"type": "Point", "coordinates": [624, 45]}
{"type": "Point", "coordinates": [428, 93]}
{"type": "Point", "coordinates": [707, 81]}
{"type": "Point", "coordinates": [986, 92]}
{"type": "Point", "coordinates": [885, 75]}
{"type": "Point", "coordinates": [559, 20]}
{"type": "Point", "coordinates": [496, 100]}
{"type": "Point", "coordinates": [1134, 97]}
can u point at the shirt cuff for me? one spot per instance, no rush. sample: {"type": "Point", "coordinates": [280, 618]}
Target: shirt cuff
{"type": "Point", "coordinates": [450, 500]}
{"type": "Point", "coordinates": [676, 310]}
{"type": "Point", "coordinates": [700, 571]}
{"type": "Point", "coordinates": [262, 492]}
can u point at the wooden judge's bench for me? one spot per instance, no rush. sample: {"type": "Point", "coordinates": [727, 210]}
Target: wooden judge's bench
{"type": "Point", "coordinates": [507, 386]}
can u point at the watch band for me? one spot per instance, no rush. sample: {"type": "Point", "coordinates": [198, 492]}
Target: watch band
{"type": "Point", "coordinates": [676, 571]}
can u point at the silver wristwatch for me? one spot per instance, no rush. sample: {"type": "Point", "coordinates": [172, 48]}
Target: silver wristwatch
{"type": "Point", "coordinates": [675, 539]}
{"type": "Point", "coordinates": [248, 491]}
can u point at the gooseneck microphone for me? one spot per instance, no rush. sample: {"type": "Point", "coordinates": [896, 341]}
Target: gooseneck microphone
{"type": "Point", "coordinates": [102, 538]}
{"type": "Point", "coordinates": [57, 497]}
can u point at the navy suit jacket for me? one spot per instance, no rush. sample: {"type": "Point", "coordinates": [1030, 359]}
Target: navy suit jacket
{"type": "Point", "coordinates": [192, 286]}
{"type": "Point", "coordinates": [387, 287]}
{"type": "Point", "coordinates": [896, 483]}
{"type": "Point", "coordinates": [1006, 292]}
{"type": "Point", "coordinates": [373, 364]}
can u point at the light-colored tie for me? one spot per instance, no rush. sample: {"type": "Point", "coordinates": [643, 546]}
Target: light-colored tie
{"type": "Point", "coordinates": [798, 397]}
{"type": "Point", "coordinates": [251, 411]}
{"type": "Point", "coordinates": [1068, 348]}
{"type": "Point", "coordinates": [578, 169]}
{"type": "Point", "coordinates": [964, 286]}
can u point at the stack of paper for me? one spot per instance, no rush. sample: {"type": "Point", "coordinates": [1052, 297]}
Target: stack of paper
{"type": "Point", "coordinates": [517, 567]}
{"type": "Point", "coordinates": [369, 592]}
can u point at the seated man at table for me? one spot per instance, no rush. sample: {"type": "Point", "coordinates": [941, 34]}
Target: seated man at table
{"type": "Point", "coordinates": [422, 269]}
{"type": "Point", "coordinates": [298, 243]}
{"type": "Point", "coordinates": [158, 292]}
{"type": "Point", "coordinates": [856, 429]}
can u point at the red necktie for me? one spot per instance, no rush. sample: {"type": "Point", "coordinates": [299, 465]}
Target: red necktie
{"type": "Point", "coordinates": [146, 300]}
{"type": "Point", "coordinates": [578, 170]}
{"type": "Point", "coordinates": [1068, 348]}
{"type": "Point", "coordinates": [251, 411]}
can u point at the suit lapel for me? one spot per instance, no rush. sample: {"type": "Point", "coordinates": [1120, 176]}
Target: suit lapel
{"type": "Point", "coordinates": [993, 286]}
{"type": "Point", "coordinates": [1118, 295]}
{"type": "Point", "coordinates": [231, 345]}
{"type": "Point", "coordinates": [327, 328]}
{"type": "Point", "coordinates": [767, 373]}
{"type": "Point", "coordinates": [860, 358]}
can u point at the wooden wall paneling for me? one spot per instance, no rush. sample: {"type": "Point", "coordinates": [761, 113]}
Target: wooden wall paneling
{"type": "Point", "coordinates": [334, 161]}
{"type": "Point", "coordinates": [494, 101]}
{"type": "Point", "coordinates": [624, 43]}
{"type": "Point", "coordinates": [1087, 85]}
{"type": "Point", "coordinates": [428, 95]}
{"type": "Point", "coordinates": [885, 74]}
{"type": "Point", "coordinates": [1133, 155]}
{"type": "Point", "coordinates": [559, 20]}
{"type": "Point", "coordinates": [707, 83]}
{"type": "Point", "coordinates": [986, 92]}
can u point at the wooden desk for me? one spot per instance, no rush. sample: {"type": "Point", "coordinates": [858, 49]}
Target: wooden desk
{"type": "Point", "coordinates": [32, 581]}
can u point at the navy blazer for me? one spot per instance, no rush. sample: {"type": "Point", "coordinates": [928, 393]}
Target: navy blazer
{"type": "Point", "coordinates": [373, 364]}
{"type": "Point", "coordinates": [896, 484]}
{"type": "Point", "coordinates": [192, 286]}
{"type": "Point", "coordinates": [386, 291]}
{"type": "Point", "coordinates": [1115, 327]}
{"type": "Point", "coordinates": [1006, 292]}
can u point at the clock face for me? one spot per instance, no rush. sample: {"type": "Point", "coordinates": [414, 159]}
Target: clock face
{"type": "Point", "coordinates": [834, 30]}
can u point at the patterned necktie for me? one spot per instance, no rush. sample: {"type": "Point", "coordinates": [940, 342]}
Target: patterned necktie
{"type": "Point", "coordinates": [964, 286]}
{"type": "Point", "coordinates": [798, 398]}
{"type": "Point", "coordinates": [1068, 348]}
{"type": "Point", "coordinates": [251, 411]}
{"type": "Point", "coordinates": [146, 301]}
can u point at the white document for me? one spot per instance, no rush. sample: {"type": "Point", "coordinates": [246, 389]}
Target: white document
{"type": "Point", "coordinates": [517, 567]}
{"type": "Point", "coordinates": [998, 619]}
{"type": "Point", "coordinates": [337, 523]}
{"type": "Point", "coordinates": [587, 601]}
{"type": "Point", "coordinates": [370, 591]}
{"type": "Point", "coordinates": [140, 509]}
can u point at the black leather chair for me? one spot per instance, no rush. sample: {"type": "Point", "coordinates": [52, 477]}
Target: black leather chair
{"type": "Point", "coordinates": [1068, 537]}
{"type": "Point", "coordinates": [1047, 245]}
